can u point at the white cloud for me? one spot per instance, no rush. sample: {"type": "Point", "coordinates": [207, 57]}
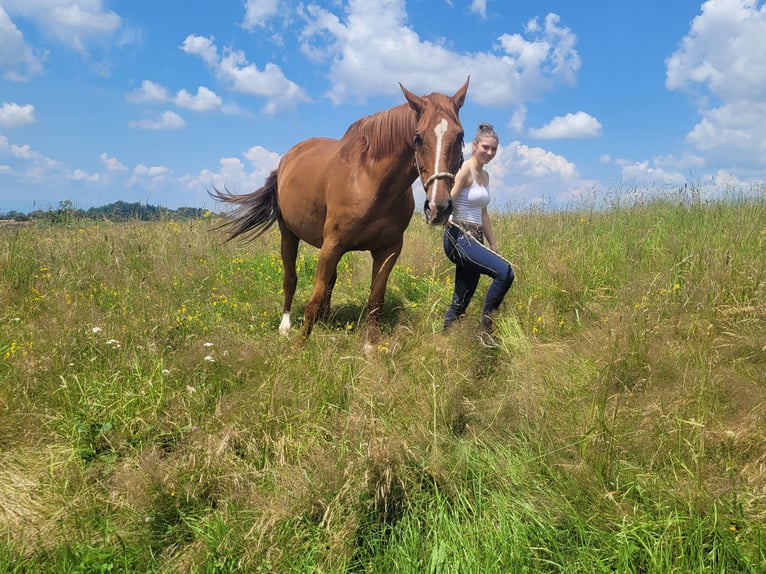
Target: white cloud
{"type": "Point", "coordinates": [28, 163]}
{"type": "Point", "coordinates": [734, 133]}
{"type": "Point", "coordinates": [203, 47]}
{"type": "Point", "coordinates": [686, 162]}
{"type": "Point", "coordinates": [548, 57]}
{"type": "Point", "coordinates": [536, 162]}
{"type": "Point", "coordinates": [518, 119]}
{"type": "Point", "coordinates": [372, 48]}
{"type": "Point", "coordinates": [73, 23]}
{"type": "Point", "coordinates": [231, 176]}
{"type": "Point", "coordinates": [17, 58]}
{"type": "Point", "coordinates": [149, 92]}
{"type": "Point", "coordinates": [722, 62]}
{"type": "Point", "coordinates": [111, 163]}
{"type": "Point", "coordinates": [724, 51]}
{"type": "Point", "coordinates": [258, 11]}
{"type": "Point", "coordinates": [24, 151]}
{"type": "Point", "coordinates": [722, 180]}
{"type": "Point", "coordinates": [13, 115]}
{"type": "Point", "coordinates": [269, 83]}
{"type": "Point", "coordinates": [262, 159]}
{"type": "Point", "coordinates": [204, 100]}
{"type": "Point", "coordinates": [645, 175]}
{"type": "Point", "coordinates": [80, 175]}
{"type": "Point", "coordinates": [148, 177]}
{"type": "Point", "coordinates": [232, 66]}
{"type": "Point", "coordinates": [167, 121]}
{"type": "Point", "coordinates": [235, 176]}
{"type": "Point", "coordinates": [570, 126]}
{"type": "Point", "coordinates": [479, 7]}
{"type": "Point", "coordinates": [322, 34]}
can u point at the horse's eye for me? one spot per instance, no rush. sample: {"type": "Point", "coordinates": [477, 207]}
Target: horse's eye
{"type": "Point", "coordinates": [418, 140]}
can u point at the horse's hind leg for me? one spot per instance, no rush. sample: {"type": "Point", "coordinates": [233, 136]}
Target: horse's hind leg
{"type": "Point", "coordinates": [289, 252]}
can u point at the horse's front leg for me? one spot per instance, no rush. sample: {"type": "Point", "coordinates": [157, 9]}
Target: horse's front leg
{"type": "Point", "coordinates": [289, 252]}
{"type": "Point", "coordinates": [326, 273]}
{"type": "Point", "coordinates": [383, 262]}
{"type": "Point", "coordinates": [324, 310]}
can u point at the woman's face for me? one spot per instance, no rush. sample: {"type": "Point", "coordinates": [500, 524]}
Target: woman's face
{"type": "Point", "coordinates": [485, 149]}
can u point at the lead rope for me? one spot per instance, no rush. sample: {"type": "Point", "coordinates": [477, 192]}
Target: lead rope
{"type": "Point", "coordinates": [471, 237]}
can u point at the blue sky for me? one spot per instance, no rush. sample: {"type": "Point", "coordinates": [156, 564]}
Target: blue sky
{"type": "Point", "coordinates": [157, 101]}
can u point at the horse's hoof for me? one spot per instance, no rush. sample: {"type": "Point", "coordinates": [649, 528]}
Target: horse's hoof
{"type": "Point", "coordinates": [299, 343]}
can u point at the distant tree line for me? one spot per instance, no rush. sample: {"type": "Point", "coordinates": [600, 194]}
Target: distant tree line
{"type": "Point", "coordinates": [66, 212]}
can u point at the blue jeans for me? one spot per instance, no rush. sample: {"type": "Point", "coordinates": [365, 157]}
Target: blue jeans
{"type": "Point", "coordinates": [472, 260]}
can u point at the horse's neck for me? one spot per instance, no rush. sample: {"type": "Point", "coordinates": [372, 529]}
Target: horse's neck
{"type": "Point", "coordinates": [402, 170]}
{"type": "Point", "coordinates": [384, 143]}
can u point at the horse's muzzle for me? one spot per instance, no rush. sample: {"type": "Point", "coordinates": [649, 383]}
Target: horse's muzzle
{"type": "Point", "coordinates": [439, 215]}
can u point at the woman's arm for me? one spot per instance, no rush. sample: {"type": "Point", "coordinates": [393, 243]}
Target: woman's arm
{"type": "Point", "coordinates": [486, 226]}
{"type": "Point", "coordinates": [462, 179]}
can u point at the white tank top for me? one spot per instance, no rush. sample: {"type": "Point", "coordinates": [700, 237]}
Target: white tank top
{"type": "Point", "coordinates": [470, 202]}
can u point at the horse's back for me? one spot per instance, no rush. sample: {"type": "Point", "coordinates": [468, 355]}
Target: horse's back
{"type": "Point", "coordinates": [307, 164]}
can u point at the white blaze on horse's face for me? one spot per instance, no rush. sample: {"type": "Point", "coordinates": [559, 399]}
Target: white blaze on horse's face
{"type": "Point", "coordinates": [439, 131]}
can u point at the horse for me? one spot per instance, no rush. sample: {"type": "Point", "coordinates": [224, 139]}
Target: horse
{"type": "Point", "coordinates": [355, 194]}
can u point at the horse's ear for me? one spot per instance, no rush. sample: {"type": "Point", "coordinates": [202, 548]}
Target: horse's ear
{"type": "Point", "coordinates": [416, 102]}
{"type": "Point", "coordinates": [459, 98]}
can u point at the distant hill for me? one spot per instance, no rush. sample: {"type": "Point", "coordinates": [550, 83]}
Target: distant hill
{"type": "Point", "coordinates": [117, 211]}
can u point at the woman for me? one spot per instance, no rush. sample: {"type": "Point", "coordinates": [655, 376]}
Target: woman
{"type": "Point", "coordinates": [464, 236]}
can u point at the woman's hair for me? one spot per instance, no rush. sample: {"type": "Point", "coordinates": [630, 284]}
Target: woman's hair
{"type": "Point", "coordinates": [485, 130]}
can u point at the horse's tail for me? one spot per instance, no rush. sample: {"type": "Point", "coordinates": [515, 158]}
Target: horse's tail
{"type": "Point", "coordinates": [256, 213]}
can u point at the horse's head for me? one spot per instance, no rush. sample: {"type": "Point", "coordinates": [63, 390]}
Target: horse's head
{"type": "Point", "coordinates": [438, 148]}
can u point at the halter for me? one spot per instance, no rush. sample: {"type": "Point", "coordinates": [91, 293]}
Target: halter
{"type": "Point", "coordinates": [434, 177]}
{"type": "Point", "coordinates": [440, 175]}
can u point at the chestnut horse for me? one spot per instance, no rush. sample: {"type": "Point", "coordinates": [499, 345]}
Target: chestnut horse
{"type": "Point", "coordinates": [355, 194]}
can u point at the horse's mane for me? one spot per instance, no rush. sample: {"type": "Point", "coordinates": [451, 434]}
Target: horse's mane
{"type": "Point", "coordinates": [382, 134]}
{"type": "Point", "coordinates": [391, 132]}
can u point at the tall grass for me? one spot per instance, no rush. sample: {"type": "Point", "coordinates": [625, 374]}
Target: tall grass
{"type": "Point", "coordinates": [152, 420]}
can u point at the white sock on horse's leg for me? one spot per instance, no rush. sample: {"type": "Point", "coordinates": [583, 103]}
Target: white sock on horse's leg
{"type": "Point", "coordinates": [284, 325]}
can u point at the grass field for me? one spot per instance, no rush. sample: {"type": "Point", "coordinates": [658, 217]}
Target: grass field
{"type": "Point", "coordinates": [152, 419]}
